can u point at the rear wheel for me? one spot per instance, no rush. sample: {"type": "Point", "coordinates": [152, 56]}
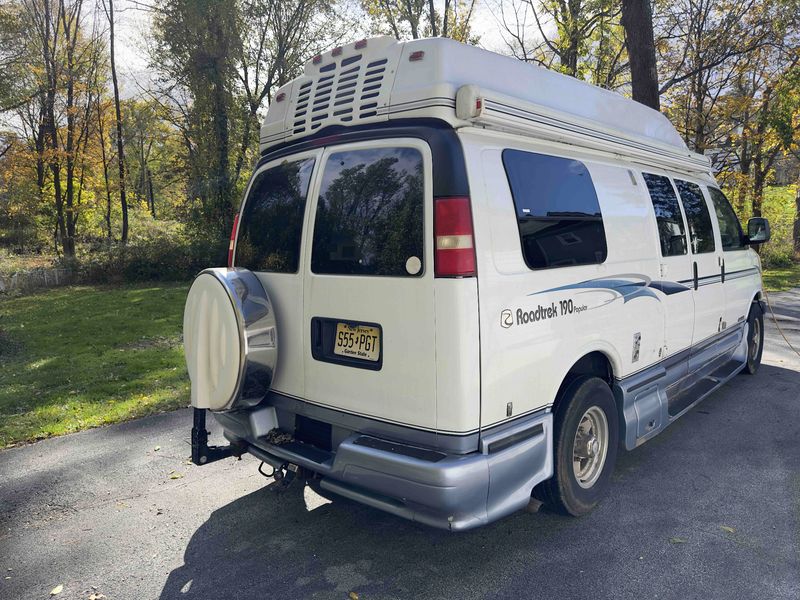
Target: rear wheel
{"type": "Point", "coordinates": [586, 440]}
{"type": "Point", "coordinates": [755, 339]}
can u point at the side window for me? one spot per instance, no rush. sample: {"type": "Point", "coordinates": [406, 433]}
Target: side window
{"type": "Point", "coordinates": [729, 227]}
{"type": "Point", "coordinates": [671, 232]}
{"type": "Point", "coordinates": [701, 232]}
{"type": "Point", "coordinates": [370, 214]}
{"type": "Point", "coordinates": [557, 210]}
{"type": "Point", "coordinates": [271, 226]}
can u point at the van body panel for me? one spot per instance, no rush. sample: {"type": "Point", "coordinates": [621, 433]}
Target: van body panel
{"type": "Point", "coordinates": [458, 350]}
{"type": "Point", "coordinates": [523, 363]}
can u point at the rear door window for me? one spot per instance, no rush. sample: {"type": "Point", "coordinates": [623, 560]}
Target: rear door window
{"type": "Point", "coordinates": [701, 232]}
{"type": "Point", "coordinates": [729, 227]}
{"type": "Point", "coordinates": [271, 226]}
{"type": "Point", "coordinates": [671, 232]}
{"type": "Point", "coordinates": [370, 214]}
{"type": "Point", "coordinates": [558, 213]}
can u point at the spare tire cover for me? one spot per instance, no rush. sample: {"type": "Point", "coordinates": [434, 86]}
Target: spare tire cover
{"type": "Point", "coordinates": [230, 339]}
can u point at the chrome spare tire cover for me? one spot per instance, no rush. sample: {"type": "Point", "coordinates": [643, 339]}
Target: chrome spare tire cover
{"type": "Point", "coordinates": [230, 339]}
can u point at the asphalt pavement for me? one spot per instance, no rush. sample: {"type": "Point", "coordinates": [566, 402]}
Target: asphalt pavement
{"type": "Point", "coordinates": [710, 509]}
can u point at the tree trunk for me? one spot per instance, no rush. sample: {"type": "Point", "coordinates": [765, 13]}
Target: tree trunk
{"type": "Point", "coordinates": [759, 179]}
{"type": "Point", "coordinates": [69, 241]}
{"type": "Point", "coordinates": [150, 196]}
{"type": "Point", "coordinates": [637, 20]}
{"type": "Point", "coordinates": [102, 136]}
{"type": "Point", "coordinates": [796, 232]}
{"type": "Point", "coordinates": [120, 147]}
{"type": "Point", "coordinates": [220, 192]}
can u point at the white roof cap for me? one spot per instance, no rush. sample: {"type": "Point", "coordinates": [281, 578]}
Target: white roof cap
{"type": "Point", "coordinates": [381, 79]}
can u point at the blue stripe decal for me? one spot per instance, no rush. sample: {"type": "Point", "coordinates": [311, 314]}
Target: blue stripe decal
{"type": "Point", "coordinates": [625, 286]}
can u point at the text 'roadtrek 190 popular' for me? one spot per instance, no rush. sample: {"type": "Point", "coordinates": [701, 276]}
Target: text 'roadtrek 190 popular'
{"type": "Point", "coordinates": [457, 280]}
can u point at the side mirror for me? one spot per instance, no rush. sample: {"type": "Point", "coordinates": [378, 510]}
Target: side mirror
{"type": "Point", "coordinates": [757, 230]}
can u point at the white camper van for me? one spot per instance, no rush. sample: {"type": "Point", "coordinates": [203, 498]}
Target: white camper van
{"type": "Point", "coordinates": [457, 280]}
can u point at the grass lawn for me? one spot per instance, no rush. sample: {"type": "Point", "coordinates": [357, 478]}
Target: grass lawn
{"type": "Point", "coordinates": [78, 357]}
{"type": "Point", "coordinates": [780, 279]}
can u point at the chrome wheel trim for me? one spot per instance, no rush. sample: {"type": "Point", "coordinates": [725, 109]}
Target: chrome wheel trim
{"type": "Point", "coordinates": [756, 340]}
{"type": "Point", "coordinates": [590, 447]}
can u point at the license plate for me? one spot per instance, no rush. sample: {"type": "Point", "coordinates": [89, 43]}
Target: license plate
{"type": "Point", "coordinates": [357, 341]}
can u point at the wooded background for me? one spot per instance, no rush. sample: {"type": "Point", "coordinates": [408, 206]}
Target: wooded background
{"type": "Point", "coordinates": [144, 184]}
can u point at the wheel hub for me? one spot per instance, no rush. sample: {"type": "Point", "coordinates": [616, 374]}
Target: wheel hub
{"type": "Point", "coordinates": [590, 447]}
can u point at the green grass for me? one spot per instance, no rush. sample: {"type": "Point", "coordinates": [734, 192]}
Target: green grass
{"type": "Point", "coordinates": [79, 357]}
{"type": "Point", "coordinates": [779, 279]}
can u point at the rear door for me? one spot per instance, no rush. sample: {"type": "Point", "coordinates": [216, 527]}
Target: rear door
{"type": "Point", "coordinates": [269, 243]}
{"type": "Point", "coordinates": [368, 302]}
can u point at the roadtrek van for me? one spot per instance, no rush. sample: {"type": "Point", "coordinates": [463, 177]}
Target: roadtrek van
{"type": "Point", "coordinates": [457, 280]}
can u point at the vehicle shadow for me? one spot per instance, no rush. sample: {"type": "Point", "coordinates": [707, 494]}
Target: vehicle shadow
{"type": "Point", "coordinates": [295, 545]}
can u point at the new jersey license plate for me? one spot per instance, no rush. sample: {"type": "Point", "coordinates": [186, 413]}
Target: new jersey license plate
{"type": "Point", "coordinates": [357, 341]}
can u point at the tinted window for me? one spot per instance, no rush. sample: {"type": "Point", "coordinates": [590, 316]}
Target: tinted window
{"type": "Point", "coordinates": [370, 213]}
{"type": "Point", "coordinates": [730, 229]}
{"type": "Point", "coordinates": [671, 232]}
{"type": "Point", "coordinates": [557, 210]}
{"type": "Point", "coordinates": [701, 232]}
{"type": "Point", "coordinates": [271, 225]}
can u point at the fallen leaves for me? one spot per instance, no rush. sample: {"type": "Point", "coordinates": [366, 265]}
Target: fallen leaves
{"type": "Point", "coordinates": [727, 529]}
{"type": "Point", "coordinates": [352, 596]}
{"type": "Point", "coordinates": [175, 475]}
{"type": "Point", "coordinates": [677, 540]}
{"type": "Point", "coordinates": [57, 590]}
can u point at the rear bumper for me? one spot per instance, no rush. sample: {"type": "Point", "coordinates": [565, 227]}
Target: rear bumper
{"type": "Point", "coordinates": [448, 491]}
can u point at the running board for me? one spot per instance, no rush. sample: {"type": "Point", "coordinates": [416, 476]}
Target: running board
{"type": "Point", "coordinates": [655, 397]}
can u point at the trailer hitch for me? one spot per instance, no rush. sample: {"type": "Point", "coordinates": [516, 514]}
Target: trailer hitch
{"type": "Point", "coordinates": [202, 453]}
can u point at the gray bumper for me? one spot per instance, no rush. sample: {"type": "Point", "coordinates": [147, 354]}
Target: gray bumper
{"type": "Point", "coordinates": [447, 491]}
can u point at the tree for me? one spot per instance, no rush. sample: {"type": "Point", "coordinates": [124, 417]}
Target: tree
{"type": "Point", "coordinates": [414, 19]}
{"type": "Point", "coordinates": [109, 9]}
{"type": "Point", "coordinates": [637, 20]}
{"type": "Point", "coordinates": [277, 39]}
{"type": "Point", "coordinates": [69, 62]}
{"type": "Point", "coordinates": [581, 44]}
{"type": "Point", "coordinates": [197, 45]}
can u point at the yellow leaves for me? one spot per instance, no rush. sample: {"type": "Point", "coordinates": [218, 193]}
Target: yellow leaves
{"type": "Point", "coordinates": [57, 590]}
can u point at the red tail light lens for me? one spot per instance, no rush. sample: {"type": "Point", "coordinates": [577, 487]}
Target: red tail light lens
{"type": "Point", "coordinates": [234, 231]}
{"type": "Point", "coordinates": [455, 246]}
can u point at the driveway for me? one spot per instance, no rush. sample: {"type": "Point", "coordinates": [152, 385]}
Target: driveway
{"type": "Point", "coordinates": [709, 509]}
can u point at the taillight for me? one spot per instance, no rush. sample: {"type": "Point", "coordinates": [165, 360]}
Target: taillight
{"type": "Point", "coordinates": [234, 231]}
{"type": "Point", "coordinates": [452, 228]}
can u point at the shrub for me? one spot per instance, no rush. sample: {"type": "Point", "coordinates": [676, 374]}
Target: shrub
{"type": "Point", "coordinates": [159, 252]}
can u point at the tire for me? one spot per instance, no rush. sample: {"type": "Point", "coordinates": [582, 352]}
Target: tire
{"type": "Point", "coordinates": [587, 402]}
{"type": "Point", "coordinates": [755, 339]}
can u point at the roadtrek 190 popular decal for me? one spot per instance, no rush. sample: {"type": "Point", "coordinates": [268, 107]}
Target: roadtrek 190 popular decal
{"type": "Point", "coordinates": [625, 287]}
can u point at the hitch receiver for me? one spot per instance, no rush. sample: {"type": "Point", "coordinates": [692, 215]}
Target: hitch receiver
{"type": "Point", "coordinates": [202, 453]}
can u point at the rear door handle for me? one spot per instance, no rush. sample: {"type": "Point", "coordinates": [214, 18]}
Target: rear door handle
{"type": "Point", "coordinates": [696, 283]}
{"type": "Point", "coordinates": [722, 270]}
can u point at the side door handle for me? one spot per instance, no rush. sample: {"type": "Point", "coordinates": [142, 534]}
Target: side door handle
{"type": "Point", "coordinates": [696, 283]}
{"type": "Point", "coordinates": [722, 269]}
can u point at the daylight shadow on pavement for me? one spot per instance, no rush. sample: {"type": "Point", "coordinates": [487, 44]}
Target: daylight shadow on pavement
{"type": "Point", "coordinates": [709, 507]}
